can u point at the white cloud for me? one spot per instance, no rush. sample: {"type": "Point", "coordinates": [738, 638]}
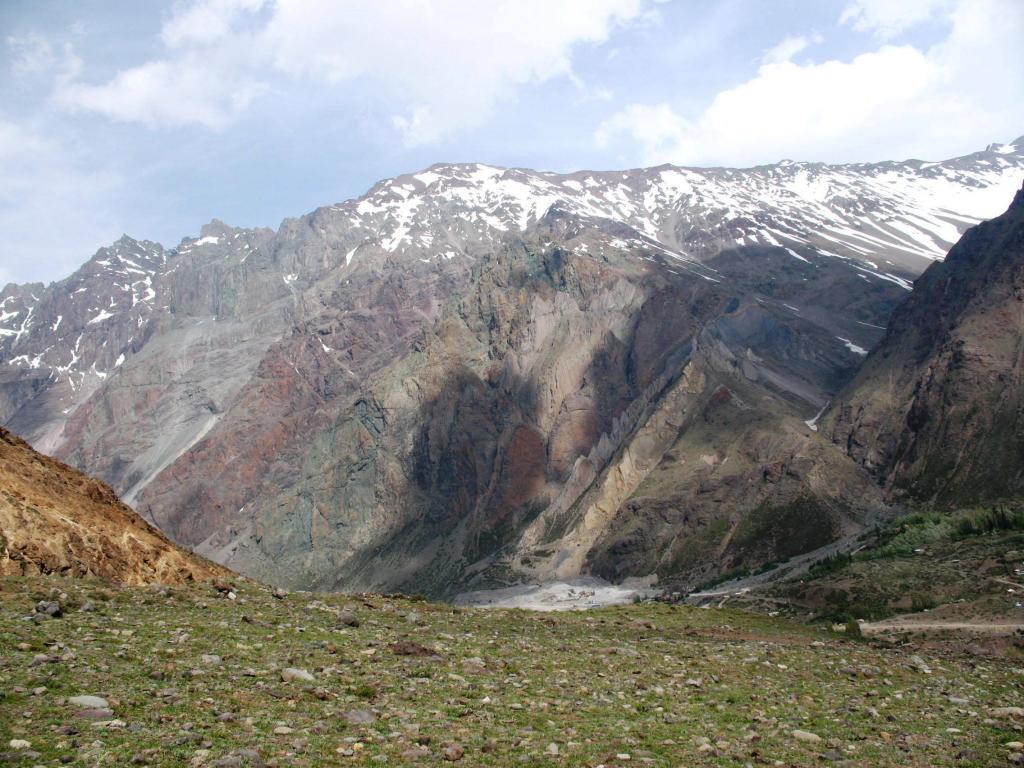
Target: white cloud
{"type": "Point", "coordinates": [15, 141]}
{"type": "Point", "coordinates": [165, 93]}
{"type": "Point", "coordinates": [205, 21]}
{"type": "Point", "coordinates": [51, 206]}
{"type": "Point", "coordinates": [450, 61]}
{"type": "Point", "coordinates": [443, 65]}
{"type": "Point", "coordinates": [789, 48]}
{"type": "Point", "coordinates": [31, 54]}
{"type": "Point", "coordinates": [657, 128]}
{"type": "Point", "coordinates": [891, 102]}
{"type": "Point", "coordinates": [211, 75]}
{"type": "Point", "coordinates": [888, 18]}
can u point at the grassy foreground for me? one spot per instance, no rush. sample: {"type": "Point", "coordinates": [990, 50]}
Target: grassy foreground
{"type": "Point", "coordinates": [192, 677]}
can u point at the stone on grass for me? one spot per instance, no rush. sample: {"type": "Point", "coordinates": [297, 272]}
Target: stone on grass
{"type": "Point", "coordinates": [1008, 712]}
{"type": "Point", "coordinates": [348, 618]}
{"type": "Point", "coordinates": [89, 702]}
{"type": "Point", "coordinates": [453, 752]}
{"type": "Point", "coordinates": [49, 608]}
{"type": "Point", "coordinates": [806, 736]}
{"type": "Point", "coordinates": [290, 674]}
{"type": "Point", "coordinates": [359, 717]}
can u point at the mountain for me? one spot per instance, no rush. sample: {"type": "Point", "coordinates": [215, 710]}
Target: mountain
{"type": "Point", "coordinates": [55, 520]}
{"type": "Point", "coordinates": [473, 375]}
{"type": "Point", "coordinates": [937, 411]}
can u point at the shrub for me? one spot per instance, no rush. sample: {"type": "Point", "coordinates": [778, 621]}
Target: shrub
{"type": "Point", "coordinates": [989, 521]}
{"type": "Point", "coordinates": [920, 601]}
{"type": "Point", "coordinates": [834, 562]}
{"type": "Point", "coordinates": [735, 573]}
{"type": "Point", "coordinates": [364, 691]}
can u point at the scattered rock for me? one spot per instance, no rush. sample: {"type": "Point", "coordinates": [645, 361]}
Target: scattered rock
{"type": "Point", "coordinates": [1014, 712]}
{"type": "Point", "coordinates": [359, 717]}
{"type": "Point", "coordinates": [96, 714]}
{"type": "Point", "coordinates": [806, 737]}
{"type": "Point", "coordinates": [453, 752]}
{"type": "Point", "coordinates": [408, 648]}
{"type": "Point", "coordinates": [89, 702]}
{"type": "Point", "coordinates": [348, 618]}
{"type": "Point", "coordinates": [916, 662]}
{"type": "Point", "coordinates": [290, 674]}
{"type": "Point", "coordinates": [49, 608]}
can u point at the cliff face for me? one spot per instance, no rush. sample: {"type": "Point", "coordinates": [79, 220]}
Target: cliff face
{"type": "Point", "coordinates": [937, 411]}
{"type": "Point", "coordinates": [474, 374]}
{"type": "Point", "coordinates": [54, 519]}
{"type": "Point", "coordinates": [528, 417]}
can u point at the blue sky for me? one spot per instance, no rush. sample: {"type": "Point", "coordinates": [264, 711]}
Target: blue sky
{"type": "Point", "coordinates": [152, 119]}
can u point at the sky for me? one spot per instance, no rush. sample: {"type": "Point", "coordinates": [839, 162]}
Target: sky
{"type": "Point", "coordinates": [151, 119]}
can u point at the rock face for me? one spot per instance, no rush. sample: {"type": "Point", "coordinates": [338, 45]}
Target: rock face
{"type": "Point", "coordinates": [473, 375]}
{"type": "Point", "coordinates": [54, 519]}
{"type": "Point", "coordinates": [936, 412]}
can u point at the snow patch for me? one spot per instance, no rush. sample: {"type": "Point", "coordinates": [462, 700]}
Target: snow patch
{"type": "Point", "coordinates": [103, 315]}
{"type": "Point", "coordinates": [857, 350]}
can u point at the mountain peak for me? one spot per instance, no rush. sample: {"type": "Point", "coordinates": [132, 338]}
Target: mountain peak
{"type": "Point", "coordinates": [216, 228]}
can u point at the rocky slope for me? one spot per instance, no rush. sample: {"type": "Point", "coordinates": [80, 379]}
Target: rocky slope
{"type": "Point", "coordinates": [472, 374]}
{"type": "Point", "coordinates": [180, 677]}
{"type": "Point", "coordinates": [55, 520]}
{"type": "Point", "coordinates": [936, 411]}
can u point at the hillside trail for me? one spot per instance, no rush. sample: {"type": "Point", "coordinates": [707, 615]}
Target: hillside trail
{"type": "Point", "coordinates": [912, 624]}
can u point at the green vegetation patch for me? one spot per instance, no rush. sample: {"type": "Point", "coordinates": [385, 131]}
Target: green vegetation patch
{"type": "Point", "coordinates": [193, 678]}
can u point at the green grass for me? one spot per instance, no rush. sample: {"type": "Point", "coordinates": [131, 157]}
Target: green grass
{"type": "Point", "coordinates": [993, 520]}
{"type": "Point", "coordinates": [598, 684]}
{"type": "Point", "coordinates": [907, 535]}
{"type": "Point", "coordinates": [734, 573]}
{"type": "Point", "coordinates": [918, 562]}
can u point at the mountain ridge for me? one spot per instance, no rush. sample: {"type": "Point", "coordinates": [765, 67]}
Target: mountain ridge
{"type": "Point", "coordinates": [270, 397]}
{"type": "Point", "coordinates": [934, 412]}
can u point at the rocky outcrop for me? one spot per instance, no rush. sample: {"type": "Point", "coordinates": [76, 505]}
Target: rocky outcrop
{"type": "Point", "coordinates": [54, 519]}
{"type": "Point", "coordinates": [935, 414]}
{"type": "Point", "coordinates": [517, 431]}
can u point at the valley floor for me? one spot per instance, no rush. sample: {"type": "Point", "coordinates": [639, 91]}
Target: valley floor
{"type": "Point", "coordinates": [197, 677]}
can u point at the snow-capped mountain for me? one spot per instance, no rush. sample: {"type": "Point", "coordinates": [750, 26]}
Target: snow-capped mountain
{"type": "Point", "coordinates": [893, 218]}
{"type": "Point", "coordinates": [897, 215]}
{"type": "Point", "coordinates": [332, 341]}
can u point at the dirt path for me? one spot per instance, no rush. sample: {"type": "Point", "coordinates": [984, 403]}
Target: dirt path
{"type": "Point", "coordinates": [795, 566]}
{"type": "Point", "coordinates": [903, 624]}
